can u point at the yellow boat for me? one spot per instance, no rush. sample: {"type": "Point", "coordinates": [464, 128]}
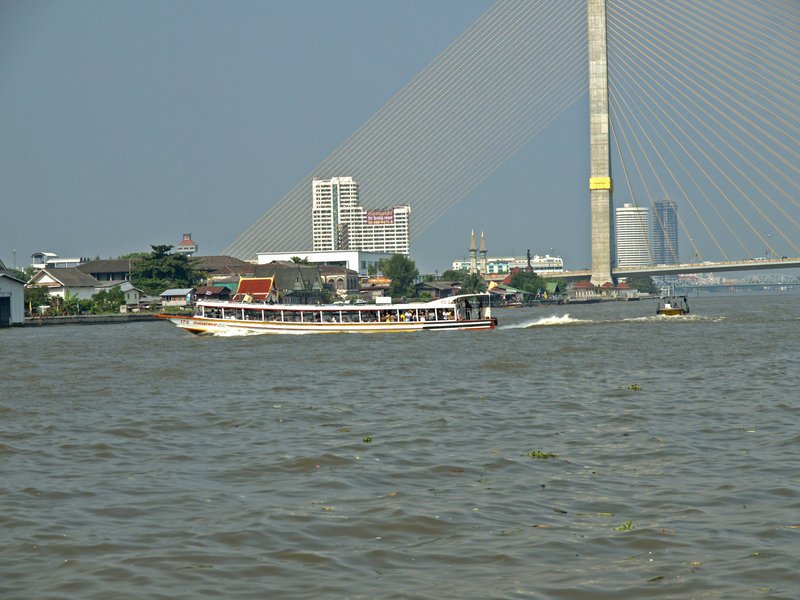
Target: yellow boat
{"type": "Point", "coordinates": [673, 306]}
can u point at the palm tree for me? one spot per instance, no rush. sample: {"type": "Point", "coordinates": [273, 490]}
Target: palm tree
{"type": "Point", "coordinates": [473, 284]}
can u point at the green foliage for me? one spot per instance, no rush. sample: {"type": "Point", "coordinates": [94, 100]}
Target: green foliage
{"type": "Point", "coordinates": [136, 255]}
{"type": "Point", "coordinates": [402, 271]}
{"type": "Point", "coordinates": [454, 275]}
{"type": "Point", "coordinates": [538, 455]}
{"type": "Point", "coordinates": [528, 282]}
{"type": "Point", "coordinates": [642, 283]}
{"type": "Point", "coordinates": [300, 261]}
{"type": "Point", "coordinates": [161, 270]}
{"type": "Point", "coordinates": [22, 275]}
{"type": "Point", "coordinates": [73, 305]}
{"type": "Point", "coordinates": [37, 296]}
{"type": "Point", "coordinates": [108, 300]}
{"type": "Point", "coordinates": [473, 284]}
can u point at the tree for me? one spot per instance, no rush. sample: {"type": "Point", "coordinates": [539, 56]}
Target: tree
{"type": "Point", "coordinates": [454, 275]}
{"type": "Point", "coordinates": [528, 282]}
{"type": "Point", "coordinates": [300, 261]}
{"type": "Point", "coordinates": [161, 270]}
{"type": "Point", "coordinates": [73, 305]}
{"type": "Point", "coordinates": [108, 300]}
{"type": "Point", "coordinates": [22, 275]}
{"type": "Point", "coordinates": [473, 284]}
{"type": "Point", "coordinates": [643, 283]}
{"type": "Point", "coordinates": [402, 271]}
{"type": "Point", "coordinates": [37, 296]}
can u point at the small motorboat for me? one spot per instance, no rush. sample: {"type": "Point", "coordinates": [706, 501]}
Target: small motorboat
{"type": "Point", "coordinates": [673, 306]}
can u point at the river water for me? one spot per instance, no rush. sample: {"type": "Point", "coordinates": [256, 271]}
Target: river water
{"type": "Point", "coordinates": [576, 452]}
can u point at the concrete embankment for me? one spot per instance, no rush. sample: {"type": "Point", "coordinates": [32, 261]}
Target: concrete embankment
{"type": "Point", "coordinates": [88, 319]}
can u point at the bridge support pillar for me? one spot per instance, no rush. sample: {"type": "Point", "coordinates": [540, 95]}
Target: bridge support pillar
{"type": "Point", "coordinates": [600, 187]}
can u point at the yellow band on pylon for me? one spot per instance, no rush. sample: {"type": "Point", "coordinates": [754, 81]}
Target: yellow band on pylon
{"type": "Point", "coordinates": [600, 183]}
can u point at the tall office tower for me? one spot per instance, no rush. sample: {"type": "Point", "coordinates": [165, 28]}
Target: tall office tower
{"type": "Point", "coordinates": [633, 236]}
{"type": "Point", "coordinates": [665, 233]}
{"type": "Point", "coordinates": [340, 223]}
{"type": "Point", "coordinates": [334, 211]}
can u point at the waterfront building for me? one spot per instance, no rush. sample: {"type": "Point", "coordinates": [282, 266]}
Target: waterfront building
{"type": "Point", "coordinates": [633, 236]}
{"type": "Point", "coordinates": [665, 233]}
{"type": "Point", "coordinates": [339, 222]}
{"type": "Point", "coordinates": [12, 298]}
{"type": "Point", "coordinates": [60, 281]}
{"type": "Point", "coordinates": [501, 265]}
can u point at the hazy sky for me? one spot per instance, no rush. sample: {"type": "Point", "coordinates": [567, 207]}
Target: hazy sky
{"type": "Point", "coordinates": [126, 124]}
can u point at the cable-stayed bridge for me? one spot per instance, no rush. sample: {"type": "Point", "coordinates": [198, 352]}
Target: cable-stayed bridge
{"type": "Point", "coordinates": [702, 107]}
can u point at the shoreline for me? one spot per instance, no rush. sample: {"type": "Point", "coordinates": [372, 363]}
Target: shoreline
{"type": "Point", "coordinates": [85, 319]}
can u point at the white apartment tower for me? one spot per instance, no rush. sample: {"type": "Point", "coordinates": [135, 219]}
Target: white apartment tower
{"type": "Point", "coordinates": [335, 208]}
{"type": "Point", "coordinates": [633, 236]}
{"type": "Point", "coordinates": [340, 223]}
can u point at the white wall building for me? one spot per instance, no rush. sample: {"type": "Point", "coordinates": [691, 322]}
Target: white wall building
{"type": "Point", "coordinates": [633, 236]}
{"type": "Point", "coordinates": [354, 260]}
{"type": "Point", "coordinates": [498, 265]}
{"type": "Point", "coordinates": [49, 260]}
{"type": "Point", "coordinates": [340, 223]}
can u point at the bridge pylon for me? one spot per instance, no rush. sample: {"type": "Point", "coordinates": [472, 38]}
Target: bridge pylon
{"type": "Point", "coordinates": [600, 186]}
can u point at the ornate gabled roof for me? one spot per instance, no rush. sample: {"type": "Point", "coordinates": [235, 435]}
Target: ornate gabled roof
{"type": "Point", "coordinates": [291, 276]}
{"type": "Point", "coordinates": [257, 288]}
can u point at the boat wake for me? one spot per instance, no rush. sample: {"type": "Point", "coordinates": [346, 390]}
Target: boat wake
{"type": "Point", "coordinates": [556, 321]}
{"type": "Point", "coordinates": [544, 322]}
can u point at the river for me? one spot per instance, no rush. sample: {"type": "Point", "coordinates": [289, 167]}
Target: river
{"type": "Point", "coordinates": [575, 452]}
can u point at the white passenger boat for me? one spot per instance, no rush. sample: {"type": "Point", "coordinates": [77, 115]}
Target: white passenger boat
{"type": "Point", "coordinates": [251, 312]}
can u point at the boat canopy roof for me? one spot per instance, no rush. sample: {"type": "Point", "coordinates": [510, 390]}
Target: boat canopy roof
{"type": "Point", "coordinates": [241, 302]}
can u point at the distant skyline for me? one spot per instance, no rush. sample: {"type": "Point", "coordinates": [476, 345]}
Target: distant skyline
{"type": "Point", "coordinates": [127, 125]}
{"type": "Point", "coordinates": [130, 124]}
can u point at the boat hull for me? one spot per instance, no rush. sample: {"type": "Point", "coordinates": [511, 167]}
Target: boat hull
{"type": "Point", "coordinates": [210, 326]}
{"type": "Point", "coordinates": [671, 312]}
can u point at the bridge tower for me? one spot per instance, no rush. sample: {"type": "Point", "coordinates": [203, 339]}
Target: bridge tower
{"type": "Point", "coordinates": [600, 186]}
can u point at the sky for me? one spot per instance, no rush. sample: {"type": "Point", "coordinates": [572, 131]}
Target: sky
{"type": "Point", "coordinates": [126, 124]}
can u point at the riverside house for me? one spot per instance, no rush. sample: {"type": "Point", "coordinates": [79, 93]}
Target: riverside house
{"type": "Point", "coordinates": [60, 281]}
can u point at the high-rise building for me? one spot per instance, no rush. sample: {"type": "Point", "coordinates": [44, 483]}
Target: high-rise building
{"type": "Point", "coordinates": [633, 236]}
{"type": "Point", "coordinates": [340, 223]}
{"type": "Point", "coordinates": [665, 233]}
{"type": "Point", "coordinates": [335, 207]}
